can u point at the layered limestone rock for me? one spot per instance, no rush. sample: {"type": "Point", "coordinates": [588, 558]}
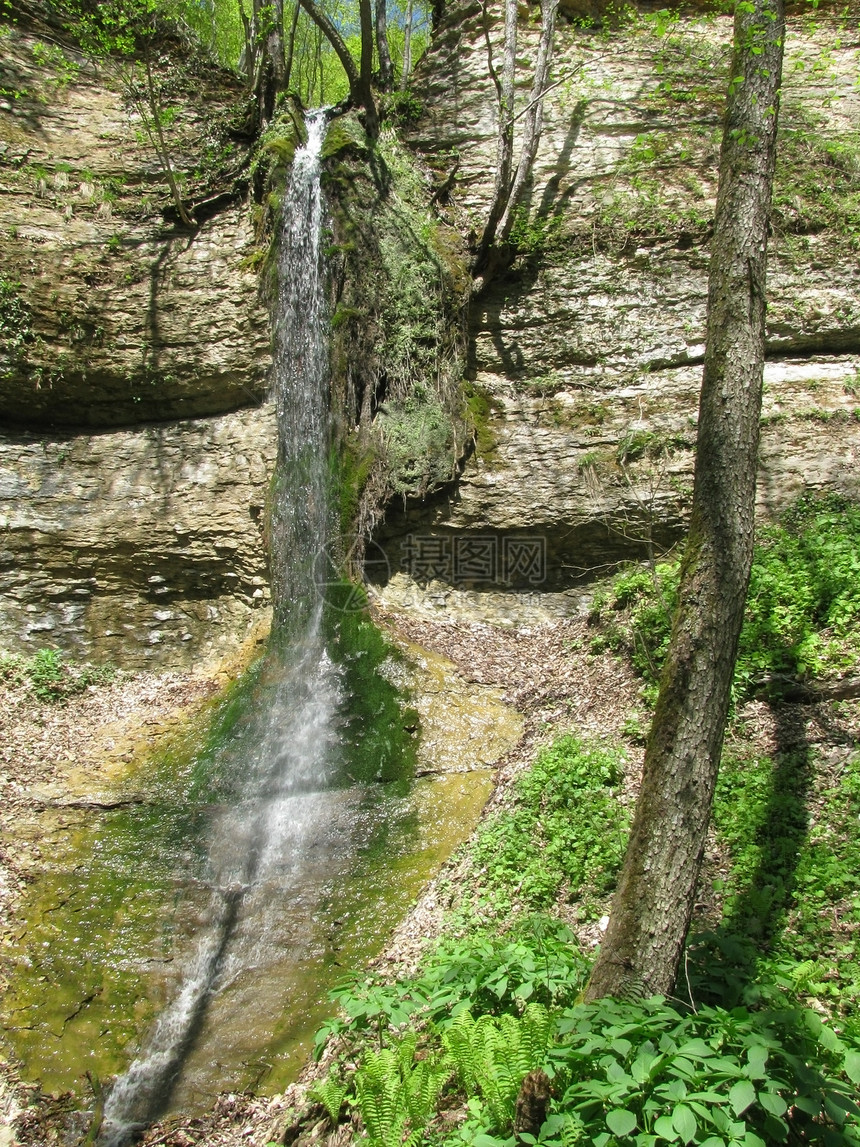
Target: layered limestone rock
{"type": "Point", "coordinates": [115, 313]}
{"type": "Point", "coordinates": [143, 547]}
{"type": "Point", "coordinates": [586, 355]}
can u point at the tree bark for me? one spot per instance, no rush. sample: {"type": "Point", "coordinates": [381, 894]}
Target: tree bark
{"type": "Point", "coordinates": [653, 903]}
{"type": "Point", "coordinates": [505, 138]}
{"type": "Point", "coordinates": [533, 120]}
{"type": "Point", "coordinates": [406, 71]}
{"type": "Point", "coordinates": [386, 70]}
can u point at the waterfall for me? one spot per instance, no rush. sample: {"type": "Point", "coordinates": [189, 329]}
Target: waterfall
{"type": "Point", "coordinates": [281, 804]}
{"type": "Point", "coordinates": [301, 512]}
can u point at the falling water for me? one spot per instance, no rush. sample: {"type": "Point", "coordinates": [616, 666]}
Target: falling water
{"type": "Point", "coordinates": [281, 804]}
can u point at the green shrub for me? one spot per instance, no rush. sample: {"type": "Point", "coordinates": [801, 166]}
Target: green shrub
{"type": "Point", "coordinates": [803, 605]}
{"type": "Point", "coordinates": [418, 435]}
{"type": "Point", "coordinates": [649, 1073]}
{"type": "Point", "coordinates": [791, 896]}
{"type": "Point", "coordinates": [564, 833]}
{"type": "Point", "coordinates": [50, 676]}
{"type": "Point", "coordinates": [485, 974]}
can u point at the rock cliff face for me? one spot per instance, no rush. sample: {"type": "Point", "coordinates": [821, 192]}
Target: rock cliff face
{"type": "Point", "coordinates": [588, 352]}
{"type": "Point", "coordinates": [122, 317]}
{"type": "Point", "coordinates": [134, 353]}
{"type": "Point", "coordinates": [140, 545]}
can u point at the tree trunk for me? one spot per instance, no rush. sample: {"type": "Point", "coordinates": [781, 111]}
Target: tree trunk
{"type": "Point", "coordinates": [533, 120]}
{"type": "Point", "coordinates": [275, 45]}
{"type": "Point", "coordinates": [365, 94]}
{"type": "Point", "coordinates": [653, 903]}
{"type": "Point", "coordinates": [407, 47]}
{"type": "Point", "coordinates": [248, 56]}
{"type": "Point", "coordinates": [359, 81]}
{"type": "Point", "coordinates": [291, 47]}
{"type": "Point", "coordinates": [386, 71]}
{"type": "Point", "coordinates": [505, 139]}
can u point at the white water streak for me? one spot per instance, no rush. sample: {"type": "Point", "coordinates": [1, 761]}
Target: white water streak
{"type": "Point", "coordinates": [259, 845]}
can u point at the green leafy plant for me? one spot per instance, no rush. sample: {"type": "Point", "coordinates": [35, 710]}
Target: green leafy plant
{"type": "Point", "coordinates": [16, 331]}
{"type": "Point", "coordinates": [650, 1073]}
{"type": "Point", "coordinates": [417, 436]}
{"type": "Point", "coordinates": [564, 833]}
{"type": "Point", "coordinates": [534, 235]}
{"type": "Point", "coordinates": [791, 895]}
{"type": "Point", "coordinates": [803, 603]}
{"type": "Point", "coordinates": [50, 676]}
{"type": "Point", "coordinates": [537, 961]}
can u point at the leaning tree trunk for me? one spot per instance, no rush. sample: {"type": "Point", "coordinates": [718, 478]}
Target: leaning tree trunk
{"type": "Point", "coordinates": [359, 78]}
{"type": "Point", "coordinates": [653, 903]}
{"type": "Point", "coordinates": [533, 117]}
{"type": "Point", "coordinates": [407, 46]}
{"type": "Point", "coordinates": [291, 46]}
{"type": "Point", "coordinates": [505, 137]}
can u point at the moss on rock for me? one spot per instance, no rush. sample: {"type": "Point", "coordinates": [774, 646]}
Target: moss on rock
{"type": "Point", "coordinates": [401, 285]}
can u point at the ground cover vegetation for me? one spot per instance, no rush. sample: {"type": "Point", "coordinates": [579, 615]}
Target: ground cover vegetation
{"type": "Point", "coordinates": [489, 1042]}
{"type": "Point", "coordinates": [51, 676]}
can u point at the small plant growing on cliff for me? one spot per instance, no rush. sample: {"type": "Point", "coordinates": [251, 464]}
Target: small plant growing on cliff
{"type": "Point", "coordinates": [418, 438]}
{"type": "Point", "coordinates": [16, 332]}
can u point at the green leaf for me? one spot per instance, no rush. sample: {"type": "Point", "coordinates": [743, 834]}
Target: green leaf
{"type": "Point", "coordinates": [808, 1105]}
{"type": "Point", "coordinates": [713, 1141]}
{"type": "Point", "coordinates": [621, 1122]}
{"type": "Point", "coordinates": [684, 1122]}
{"type": "Point", "coordinates": [665, 1127]}
{"type": "Point", "coordinates": [837, 1106]}
{"type": "Point", "coordinates": [643, 1065]}
{"type": "Point", "coordinates": [773, 1102]}
{"type": "Point", "coordinates": [829, 1039]}
{"type": "Point", "coordinates": [696, 1048]}
{"type": "Point", "coordinates": [852, 1066]}
{"type": "Point", "coordinates": [756, 1059]}
{"type": "Point", "coordinates": [741, 1096]}
{"type": "Point", "coordinates": [616, 1073]}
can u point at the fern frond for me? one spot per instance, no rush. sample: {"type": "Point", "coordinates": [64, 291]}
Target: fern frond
{"type": "Point", "coordinates": [331, 1094]}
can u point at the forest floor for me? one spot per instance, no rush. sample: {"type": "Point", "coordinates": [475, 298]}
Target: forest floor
{"type": "Point", "coordinates": [58, 752]}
